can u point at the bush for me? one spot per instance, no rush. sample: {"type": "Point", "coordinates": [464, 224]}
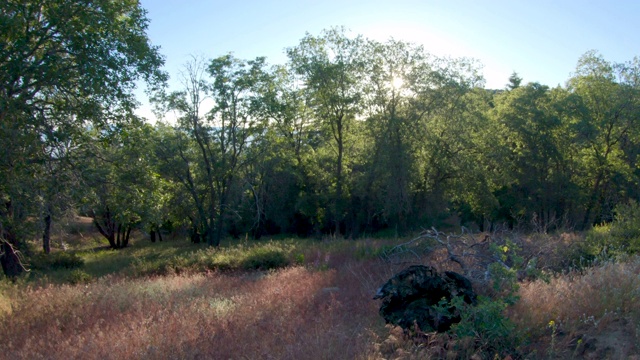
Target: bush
{"type": "Point", "coordinates": [56, 260]}
{"type": "Point", "coordinates": [265, 258]}
{"type": "Point", "coordinates": [625, 228]}
{"type": "Point", "coordinates": [78, 276]}
{"type": "Point", "coordinates": [621, 236]}
{"type": "Point", "coordinates": [487, 325]}
{"type": "Point", "coordinates": [259, 257]}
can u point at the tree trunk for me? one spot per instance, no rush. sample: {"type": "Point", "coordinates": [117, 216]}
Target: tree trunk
{"type": "Point", "coordinates": [46, 236]}
{"type": "Point", "coordinates": [587, 220]}
{"type": "Point", "coordinates": [152, 234]}
{"type": "Point", "coordinates": [195, 234]}
{"type": "Point", "coordinates": [118, 232]}
{"type": "Point", "coordinates": [11, 264]}
{"type": "Point", "coordinates": [125, 240]}
{"type": "Point", "coordinates": [216, 227]}
{"type": "Point", "coordinates": [108, 230]}
{"type": "Point", "coordinates": [339, 206]}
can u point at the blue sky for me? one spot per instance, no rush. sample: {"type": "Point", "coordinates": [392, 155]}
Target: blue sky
{"type": "Point", "coordinates": [541, 40]}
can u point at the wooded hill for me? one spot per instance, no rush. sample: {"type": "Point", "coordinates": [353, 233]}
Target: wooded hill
{"type": "Point", "coordinates": [351, 136]}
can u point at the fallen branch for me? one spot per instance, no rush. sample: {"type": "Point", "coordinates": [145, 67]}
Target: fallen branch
{"type": "Point", "coordinates": [464, 249]}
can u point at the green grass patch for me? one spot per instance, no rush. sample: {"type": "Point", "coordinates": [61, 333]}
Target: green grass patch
{"type": "Point", "coordinates": [56, 260]}
{"type": "Point", "coordinates": [143, 258]}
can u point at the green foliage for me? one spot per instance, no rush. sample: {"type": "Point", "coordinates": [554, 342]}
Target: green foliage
{"type": "Point", "coordinates": [504, 272]}
{"type": "Point", "coordinates": [78, 276]}
{"type": "Point", "coordinates": [621, 236]}
{"type": "Point", "coordinates": [487, 324]}
{"type": "Point", "coordinates": [65, 67]}
{"type": "Point", "coordinates": [56, 260]}
{"type": "Point", "coordinates": [265, 258]}
{"type": "Point", "coordinates": [270, 255]}
{"type": "Point", "coordinates": [625, 228]}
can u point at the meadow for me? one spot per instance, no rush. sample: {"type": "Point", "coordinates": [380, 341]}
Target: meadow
{"type": "Point", "coordinates": [307, 299]}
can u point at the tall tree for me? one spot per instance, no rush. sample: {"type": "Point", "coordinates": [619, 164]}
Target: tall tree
{"type": "Point", "coordinates": [514, 81]}
{"type": "Point", "coordinates": [609, 120]}
{"type": "Point", "coordinates": [121, 189]}
{"type": "Point", "coordinates": [537, 154]}
{"type": "Point", "coordinates": [332, 68]}
{"type": "Point", "coordinates": [214, 153]}
{"type": "Point", "coordinates": [63, 63]}
{"type": "Point", "coordinates": [390, 68]}
{"type": "Point", "coordinates": [444, 134]}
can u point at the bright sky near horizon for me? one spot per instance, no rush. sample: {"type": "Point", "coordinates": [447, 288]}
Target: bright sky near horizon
{"type": "Point", "coordinates": [542, 40]}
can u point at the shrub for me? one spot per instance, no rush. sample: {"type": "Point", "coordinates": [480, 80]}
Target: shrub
{"type": "Point", "coordinates": [265, 258]}
{"type": "Point", "coordinates": [56, 260]}
{"type": "Point", "coordinates": [625, 228]}
{"type": "Point", "coordinates": [78, 276]}
{"type": "Point", "coordinates": [487, 325]}
{"type": "Point", "coordinates": [621, 236]}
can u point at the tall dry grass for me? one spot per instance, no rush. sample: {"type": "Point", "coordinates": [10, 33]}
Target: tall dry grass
{"type": "Point", "coordinates": [294, 313]}
{"type": "Point", "coordinates": [601, 303]}
{"type": "Point", "coordinates": [321, 311]}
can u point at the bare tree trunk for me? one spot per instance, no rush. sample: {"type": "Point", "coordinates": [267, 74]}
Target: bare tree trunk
{"type": "Point", "coordinates": [9, 259]}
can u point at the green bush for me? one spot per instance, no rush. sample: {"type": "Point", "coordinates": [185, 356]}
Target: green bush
{"type": "Point", "coordinates": [258, 257]}
{"type": "Point", "coordinates": [621, 236]}
{"type": "Point", "coordinates": [265, 258]}
{"type": "Point", "coordinates": [56, 260]}
{"type": "Point", "coordinates": [78, 276]}
{"type": "Point", "coordinates": [487, 324]}
{"type": "Point", "coordinates": [625, 228]}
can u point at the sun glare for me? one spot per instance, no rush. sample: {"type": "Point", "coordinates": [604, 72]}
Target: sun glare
{"type": "Point", "coordinates": [397, 82]}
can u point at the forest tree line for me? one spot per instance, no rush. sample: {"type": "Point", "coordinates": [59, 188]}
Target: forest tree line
{"type": "Point", "coordinates": [349, 137]}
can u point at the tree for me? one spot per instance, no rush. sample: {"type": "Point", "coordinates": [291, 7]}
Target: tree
{"type": "Point", "coordinates": [537, 155]}
{"type": "Point", "coordinates": [608, 123]}
{"type": "Point", "coordinates": [332, 67]}
{"type": "Point", "coordinates": [63, 64]}
{"type": "Point", "coordinates": [280, 186]}
{"type": "Point", "coordinates": [444, 133]}
{"type": "Point", "coordinates": [212, 152]}
{"type": "Point", "coordinates": [391, 67]}
{"type": "Point", "coordinates": [121, 191]}
{"type": "Point", "coordinates": [514, 81]}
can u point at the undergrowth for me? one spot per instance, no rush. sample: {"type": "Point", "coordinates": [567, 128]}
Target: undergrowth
{"type": "Point", "coordinates": [311, 299]}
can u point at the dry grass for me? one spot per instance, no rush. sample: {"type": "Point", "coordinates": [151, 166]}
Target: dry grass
{"type": "Point", "coordinates": [319, 311]}
{"type": "Point", "coordinates": [600, 303]}
{"type": "Point", "coordinates": [294, 313]}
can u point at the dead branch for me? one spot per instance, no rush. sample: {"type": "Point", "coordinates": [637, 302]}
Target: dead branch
{"type": "Point", "coordinates": [472, 255]}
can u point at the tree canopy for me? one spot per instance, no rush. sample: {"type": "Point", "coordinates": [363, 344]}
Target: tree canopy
{"type": "Point", "coordinates": [66, 67]}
